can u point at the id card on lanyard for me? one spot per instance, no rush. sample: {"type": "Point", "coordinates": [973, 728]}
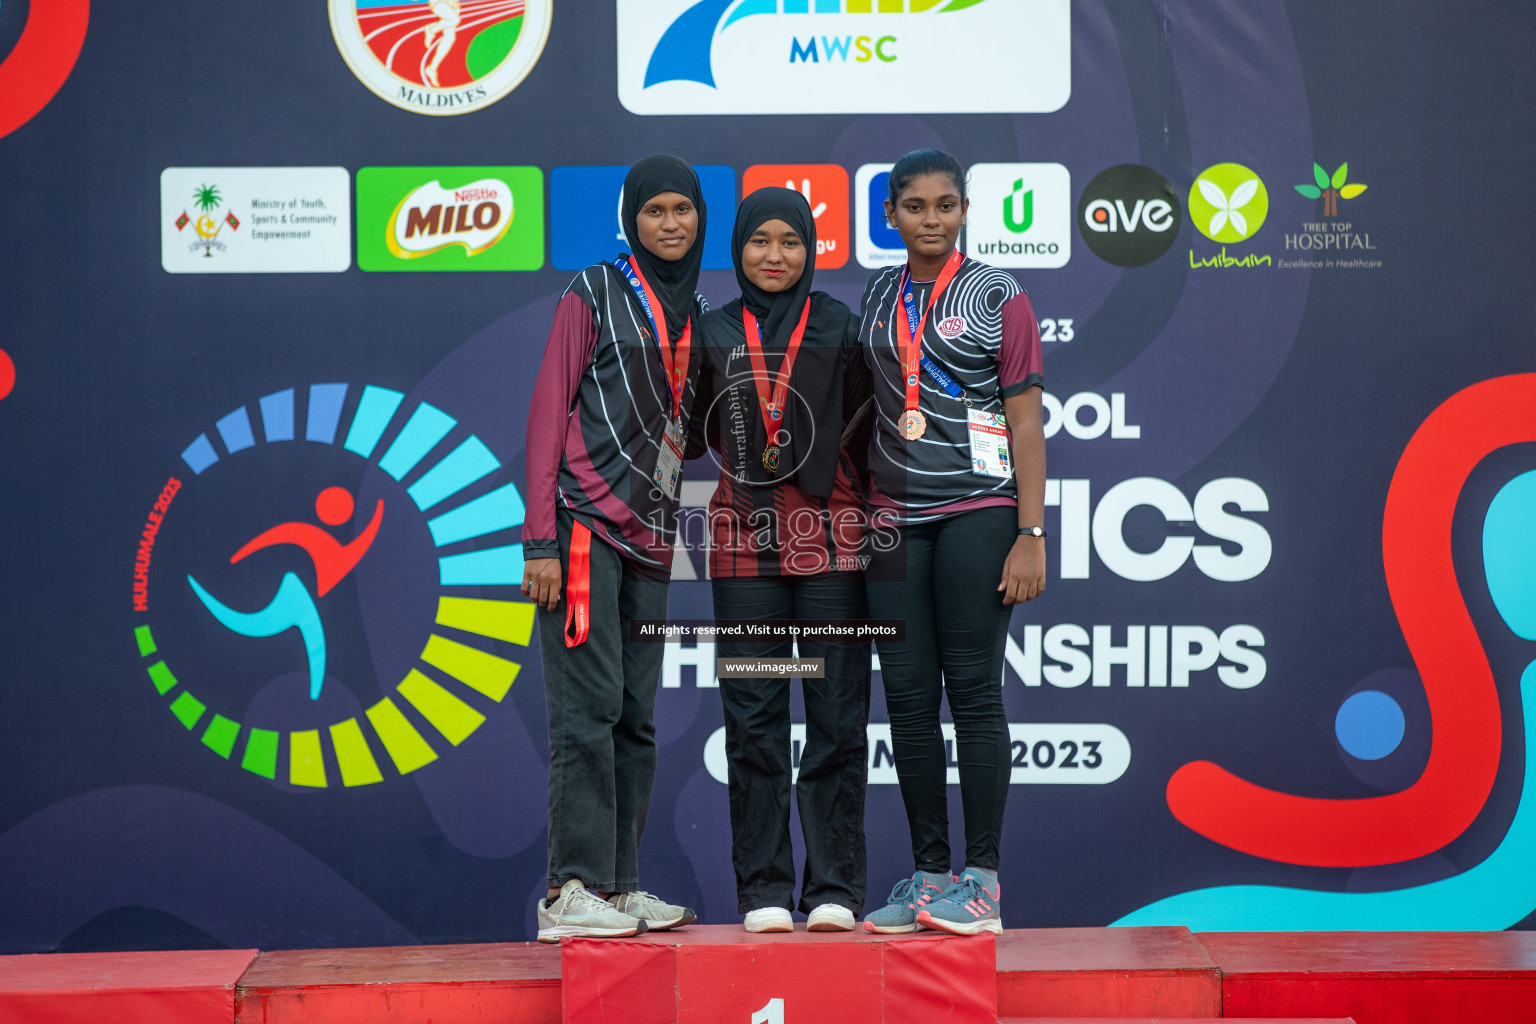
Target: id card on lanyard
{"type": "Point", "coordinates": [674, 361]}
{"type": "Point", "coordinates": [989, 444]}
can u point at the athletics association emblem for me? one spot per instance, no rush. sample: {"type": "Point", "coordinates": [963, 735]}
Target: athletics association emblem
{"type": "Point", "coordinates": [441, 56]}
{"type": "Point", "coordinates": [241, 627]}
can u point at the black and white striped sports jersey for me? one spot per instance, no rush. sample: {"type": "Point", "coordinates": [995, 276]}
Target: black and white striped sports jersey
{"type": "Point", "coordinates": [982, 332]}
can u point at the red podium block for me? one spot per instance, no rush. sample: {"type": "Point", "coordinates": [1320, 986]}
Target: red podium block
{"type": "Point", "coordinates": [1106, 972]}
{"type": "Point", "coordinates": [718, 974]}
{"type": "Point", "coordinates": [491, 983]}
{"type": "Point", "coordinates": [1378, 977]}
{"type": "Point", "coordinates": [124, 988]}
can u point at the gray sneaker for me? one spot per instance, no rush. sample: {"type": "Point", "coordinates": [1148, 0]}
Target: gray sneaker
{"type": "Point", "coordinates": [658, 916]}
{"type": "Point", "coordinates": [579, 913]}
{"type": "Point", "coordinates": [900, 911]}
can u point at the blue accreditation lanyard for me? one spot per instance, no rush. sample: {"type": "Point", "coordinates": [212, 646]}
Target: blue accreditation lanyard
{"type": "Point", "coordinates": [673, 361]}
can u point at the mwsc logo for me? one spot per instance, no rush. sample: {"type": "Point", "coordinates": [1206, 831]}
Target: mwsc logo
{"type": "Point", "coordinates": [841, 56]}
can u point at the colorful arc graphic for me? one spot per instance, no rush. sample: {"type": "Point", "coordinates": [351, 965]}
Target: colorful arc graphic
{"type": "Point", "coordinates": [446, 664]}
{"type": "Point", "coordinates": [1459, 684]}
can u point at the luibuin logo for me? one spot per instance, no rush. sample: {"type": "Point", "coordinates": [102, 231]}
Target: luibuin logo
{"type": "Point", "coordinates": [1331, 189]}
{"type": "Point", "coordinates": [255, 542]}
{"type": "Point", "coordinates": [1228, 203]}
{"type": "Point", "coordinates": [440, 56]}
{"type": "Point", "coordinates": [839, 56]}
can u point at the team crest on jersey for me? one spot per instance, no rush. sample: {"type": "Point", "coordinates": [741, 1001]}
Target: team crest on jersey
{"type": "Point", "coordinates": [441, 56]}
{"type": "Point", "coordinates": [952, 327]}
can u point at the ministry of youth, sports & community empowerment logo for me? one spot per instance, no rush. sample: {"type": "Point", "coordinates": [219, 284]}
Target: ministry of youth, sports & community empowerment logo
{"type": "Point", "coordinates": [441, 56]}
{"type": "Point", "coordinates": [254, 622]}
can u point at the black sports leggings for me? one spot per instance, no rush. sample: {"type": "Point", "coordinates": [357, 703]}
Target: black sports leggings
{"type": "Point", "coordinates": [942, 579]}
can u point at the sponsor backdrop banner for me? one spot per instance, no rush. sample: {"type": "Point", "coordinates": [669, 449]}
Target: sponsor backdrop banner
{"type": "Point", "coordinates": [268, 679]}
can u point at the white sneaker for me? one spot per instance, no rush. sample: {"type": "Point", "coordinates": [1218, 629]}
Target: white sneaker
{"type": "Point", "coordinates": [769, 919]}
{"type": "Point", "coordinates": [829, 917]}
{"type": "Point", "coordinates": [578, 913]}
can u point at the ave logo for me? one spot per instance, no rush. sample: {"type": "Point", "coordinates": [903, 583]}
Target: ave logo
{"type": "Point", "coordinates": [1129, 215]}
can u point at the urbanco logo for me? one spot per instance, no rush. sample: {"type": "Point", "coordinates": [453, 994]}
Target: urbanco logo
{"type": "Point", "coordinates": [450, 218]}
{"type": "Point", "coordinates": [1228, 203]}
{"type": "Point", "coordinates": [241, 629]}
{"type": "Point", "coordinates": [842, 56]}
{"type": "Point", "coordinates": [441, 56]}
{"type": "Point", "coordinates": [1128, 215]}
{"type": "Point", "coordinates": [1021, 215]}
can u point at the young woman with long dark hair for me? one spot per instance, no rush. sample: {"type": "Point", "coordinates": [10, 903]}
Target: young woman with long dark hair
{"type": "Point", "coordinates": [957, 467]}
{"type": "Point", "coordinates": [606, 440]}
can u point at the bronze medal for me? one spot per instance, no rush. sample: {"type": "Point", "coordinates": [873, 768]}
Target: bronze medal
{"type": "Point", "coordinates": [771, 458]}
{"type": "Point", "coordinates": [913, 424]}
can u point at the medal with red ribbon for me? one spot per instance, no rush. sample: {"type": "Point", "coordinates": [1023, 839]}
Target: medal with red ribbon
{"type": "Point", "coordinates": [913, 422]}
{"type": "Point", "coordinates": [772, 399]}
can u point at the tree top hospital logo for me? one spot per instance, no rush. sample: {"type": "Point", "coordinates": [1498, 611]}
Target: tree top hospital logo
{"type": "Point", "coordinates": [236, 578]}
{"type": "Point", "coordinates": [842, 56]}
{"type": "Point", "coordinates": [441, 56]}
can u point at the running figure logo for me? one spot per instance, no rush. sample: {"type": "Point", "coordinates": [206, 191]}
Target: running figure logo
{"type": "Point", "coordinates": [293, 607]}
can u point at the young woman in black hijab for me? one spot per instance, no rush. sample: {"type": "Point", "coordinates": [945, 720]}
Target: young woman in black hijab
{"type": "Point", "coordinates": [606, 439]}
{"type": "Point", "coordinates": [781, 374]}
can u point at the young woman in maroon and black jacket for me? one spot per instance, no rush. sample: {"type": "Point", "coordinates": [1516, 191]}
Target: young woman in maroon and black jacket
{"type": "Point", "coordinates": [781, 373]}
{"type": "Point", "coordinates": [957, 470]}
{"type": "Point", "coordinates": [606, 439]}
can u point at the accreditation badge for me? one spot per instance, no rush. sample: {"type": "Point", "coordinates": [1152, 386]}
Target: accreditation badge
{"type": "Point", "coordinates": [669, 464]}
{"type": "Point", "coordinates": [989, 444]}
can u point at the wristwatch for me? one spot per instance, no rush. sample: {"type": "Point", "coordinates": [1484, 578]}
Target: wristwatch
{"type": "Point", "coordinates": [1033, 531]}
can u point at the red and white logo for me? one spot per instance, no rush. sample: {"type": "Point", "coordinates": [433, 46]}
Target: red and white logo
{"type": "Point", "coordinates": [953, 327]}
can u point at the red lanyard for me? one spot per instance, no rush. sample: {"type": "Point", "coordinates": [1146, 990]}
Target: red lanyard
{"type": "Point", "coordinates": [674, 361]}
{"type": "Point", "coordinates": [578, 586]}
{"type": "Point", "coordinates": [771, 404]}
{"type": "Point", "coordinates": [906, 310]}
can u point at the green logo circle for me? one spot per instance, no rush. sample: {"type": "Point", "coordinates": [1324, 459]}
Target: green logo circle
{"type": "Point", "coordinates": [1228, 203]}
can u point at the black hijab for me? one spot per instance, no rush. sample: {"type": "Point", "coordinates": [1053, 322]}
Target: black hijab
{"type": "Point", "coordinates": [673, 282]}
{"type": "Point", "coordinates": [778, 312]}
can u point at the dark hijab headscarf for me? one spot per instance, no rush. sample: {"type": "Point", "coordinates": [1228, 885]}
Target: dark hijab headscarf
{"type": "Point", "coordinates": [673, 282]}
{"type": "Point", "coordinates": [778, 312]}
